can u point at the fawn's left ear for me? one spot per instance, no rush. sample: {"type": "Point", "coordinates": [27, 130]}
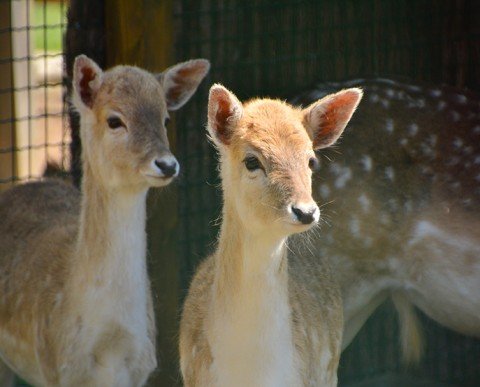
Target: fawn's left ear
{"type": "Point", "coordinates": [224, 112]}
{"type": "Point", "coordinates": [326, 118]}
{"type": "Point", "coordinates": [87, 79]}
{"type": "Point", "coordinates": [181, 80]}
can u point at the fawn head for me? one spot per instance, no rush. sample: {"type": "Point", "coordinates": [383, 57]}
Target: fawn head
{"type": "Point", "coordinates": [124, 114]}
{"type": "Point", "coordinates": [267, 151]}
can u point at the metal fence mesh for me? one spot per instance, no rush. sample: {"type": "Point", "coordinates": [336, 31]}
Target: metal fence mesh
{"type": "Point", "coordinates": [33, 126]}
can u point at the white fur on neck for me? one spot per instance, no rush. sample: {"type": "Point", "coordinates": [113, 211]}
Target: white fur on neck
{"type": "Point", "coordinates": [251, 333]}
{"type": "Point", "coordinates": [118, 295]}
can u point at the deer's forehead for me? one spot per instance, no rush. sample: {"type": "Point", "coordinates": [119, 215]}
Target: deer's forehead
{"type": "Point", "coordinates": [277, 139]}
{"type": "Point", "coordinates": [269, 112]}
{"type": "Point", "coordinates": [133, 91]}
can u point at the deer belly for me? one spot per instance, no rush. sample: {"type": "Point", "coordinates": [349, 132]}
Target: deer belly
{"type": "Point", "coordinates": [443, 276]}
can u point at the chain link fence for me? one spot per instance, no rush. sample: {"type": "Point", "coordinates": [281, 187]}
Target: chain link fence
{"type": "Point", "coordinates": [33, 126]}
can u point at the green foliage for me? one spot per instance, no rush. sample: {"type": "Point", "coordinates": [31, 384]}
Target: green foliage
{"type": "Point", "coordinates": [49, 18]}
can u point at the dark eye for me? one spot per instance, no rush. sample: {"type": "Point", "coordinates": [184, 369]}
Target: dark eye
{"type": "Point", "coordinates": [167, 121]}
{"type": "Point", "coordinates": [313, 163]}
{"type": "Point", "coordinates": [115, 122]}
{"type": "Point", "coordinates": [252, 163]}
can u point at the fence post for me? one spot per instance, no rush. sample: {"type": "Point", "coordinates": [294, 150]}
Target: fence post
{"type": "Point", "coordinates": [141, 33]}
{"type": "Point", "coordinates": [7, 110]}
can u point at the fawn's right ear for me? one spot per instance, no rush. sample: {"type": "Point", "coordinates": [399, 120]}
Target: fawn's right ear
{"type": "Point", "coordinates": [224, 112]}
{"type": "Point", "coordinates": [87, 79]}
{"type": "Point", "coordinates": [326, 118]}
{"type": "Point", "coordinates": [181, 81]}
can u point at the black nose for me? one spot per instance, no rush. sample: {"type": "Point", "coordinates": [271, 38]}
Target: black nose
{"type": "Point", "coordinates": [168, 170]}
{"type": "Point", "coordinates": [305, 217]}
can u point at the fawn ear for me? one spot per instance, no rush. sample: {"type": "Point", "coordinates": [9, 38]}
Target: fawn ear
{"type": "Point", "coordinates": [326, 118]}
{"type": "Point", "coordinates": [224, 111]}
{"type": "Point", "coordinates": [181, 80]}
{"type": "Point", "coordinates": [87, 79]}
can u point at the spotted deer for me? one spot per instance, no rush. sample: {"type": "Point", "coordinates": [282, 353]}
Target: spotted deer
{"type": "Point", "coordinates": [252, 316]}
{"type": "Point", "coordinates": [404, 194]}
{"type": "Point", "coordinates": [76, 307]}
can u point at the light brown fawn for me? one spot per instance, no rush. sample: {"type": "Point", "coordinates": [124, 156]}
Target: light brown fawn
{"type": "Point", "coordinates": [253, 317]}
{"type": "Point", "coordinates": [404, 188]}
{"type": "Point", "coordinates": [76, 307]}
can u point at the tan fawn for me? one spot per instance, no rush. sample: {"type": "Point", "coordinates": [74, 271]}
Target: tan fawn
{"type": "Point", "coordinates": [76, 307]}
{"type": "Point", "coordinates": [253, 317]}
{"type": "Point", "coordinates": [404, 188]}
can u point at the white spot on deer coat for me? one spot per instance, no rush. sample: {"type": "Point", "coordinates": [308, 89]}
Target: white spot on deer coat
{"type": "Point", "coordinates": [460, 98]}
{"type": "Point", "coordinates": [412, 129]}
{"type": "Point", "coordinates": [336, 169]}
{"type": "Point", "coordinates": [453, 161]}
{"type": "Point", "coordinates": [455, 116]}
{"type": "Point", "coordinates": [390, 93]}
{"type": "Point", "coordinates": [324, 191]}
{"type": "Point", "coordinates": [58, 299]}
{"type": "Point", "coordinates": [457, 143]}
{"type": "Point", "coordinates": [367, 241]}
{"type": "Point", "coordinates": [18, 301]}
{"type": "Point", "coordinates": [343, 178]}
{"type": "Point", "coordinates": [366, 163]}
{"type": "Point", "coordinates": [384, 218]}
{"type": "Point", "coordinates": [354, 226]}
{"type": "Point", "coordinates": [364, 202]}
{"type": "Point", "coordinates": [374, 98]}
{"type": "Point", "coordinates": [413, 88]}
{"type": "Point", "coordinates": [420, 103]}
{"type": "Point", "coordinates": [435, 93]}
{"type": "Point", "coordinates": [390, 173]}
{"type": "Point", "coordinates": [408, 206]}
{"type": "Point", "coordinates": [389, 125]}
{"type": "Point", "coordinates": [425, 229]}
{"type": "Point", "coordinates": [385, 103]}
{"type": "Point", "coordinates": [427, 150]}
{"type": "Point", "coordinates": [455, 185]}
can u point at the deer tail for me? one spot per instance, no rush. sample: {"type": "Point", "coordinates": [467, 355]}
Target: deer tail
{"type": "Point", "coordinates": [411, 335]}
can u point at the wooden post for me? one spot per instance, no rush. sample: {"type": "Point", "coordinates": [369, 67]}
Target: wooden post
{"type": "Point", "coordinates": [141, 33]}
{"type": "Point", "coordinates": [7, 109]}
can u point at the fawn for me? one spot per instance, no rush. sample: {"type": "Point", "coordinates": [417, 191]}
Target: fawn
{"type": "Point", "coordinates": [253, 317]}
{"type": "Point", "coordinates": [405, 193]}
{"type": "Point", "coordinates": [76, 307]}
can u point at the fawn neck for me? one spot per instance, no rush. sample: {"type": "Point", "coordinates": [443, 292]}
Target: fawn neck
{"type": "Point", "coordinates": [247, 255]}
{"type": "Point", "coordinates": [109, 265]}
{"type": "Point", "coordinates": [252, 337]}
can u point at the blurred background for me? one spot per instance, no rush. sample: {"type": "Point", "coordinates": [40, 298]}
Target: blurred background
{"type": "Point", "coordinates": [284, 49]}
